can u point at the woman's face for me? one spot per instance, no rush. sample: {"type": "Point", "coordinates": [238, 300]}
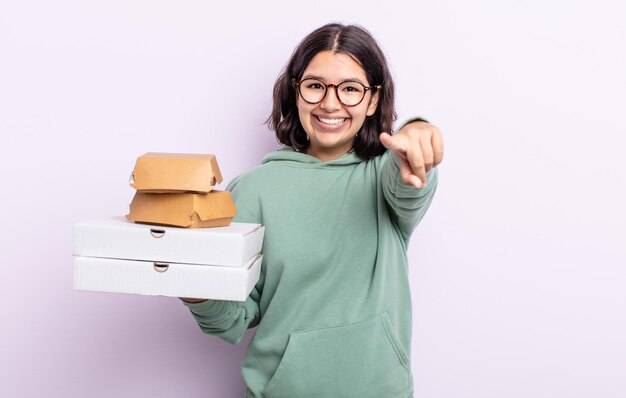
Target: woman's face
{"type": "Point", "coordinates": [330, 125]}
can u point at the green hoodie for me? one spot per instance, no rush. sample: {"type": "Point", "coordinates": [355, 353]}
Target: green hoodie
{"type": "Point", "coordinates": [332, 305]}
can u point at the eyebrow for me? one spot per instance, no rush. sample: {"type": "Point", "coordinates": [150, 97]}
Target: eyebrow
{"type": "Point", "coordinates": [350, 79]}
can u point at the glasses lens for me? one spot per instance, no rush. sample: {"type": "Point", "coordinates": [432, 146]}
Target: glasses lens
{"type": "Point", "coordinates": [312, 90]}
{"type": "Point", "coordinates": [351, 93]}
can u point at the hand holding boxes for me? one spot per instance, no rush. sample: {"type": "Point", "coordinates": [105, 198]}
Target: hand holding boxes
{"type": "Point", "coordinates": [155, 256]}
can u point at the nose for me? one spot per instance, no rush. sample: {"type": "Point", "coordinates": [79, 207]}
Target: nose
{"type": "Point", "coordinates": [331, 101]}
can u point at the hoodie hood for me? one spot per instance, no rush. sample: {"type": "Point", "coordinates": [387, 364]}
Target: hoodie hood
{"type": "Point", "coordinates": [290, 155]}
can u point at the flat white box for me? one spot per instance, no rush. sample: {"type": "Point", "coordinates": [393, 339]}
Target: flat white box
{"type": "Point", "coordinates": [166, 279]}
{"type": "Point", "coordinates": [234, 245]}
{"type": "Point", "coordinates": [120, 256]}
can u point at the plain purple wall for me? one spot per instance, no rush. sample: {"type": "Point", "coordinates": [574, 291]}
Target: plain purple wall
{"type": "Point", "coordinates": [518, 270]}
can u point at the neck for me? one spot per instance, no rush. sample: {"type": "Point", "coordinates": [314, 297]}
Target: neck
{"type": "Point", "coordinates": [326, 156]}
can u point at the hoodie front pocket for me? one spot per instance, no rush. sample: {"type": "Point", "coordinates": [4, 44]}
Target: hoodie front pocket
{"type": "Point", "coordinates": [363, 359]}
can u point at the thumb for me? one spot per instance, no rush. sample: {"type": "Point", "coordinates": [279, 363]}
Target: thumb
{"type": "Point", "coordinates": [391, 142]}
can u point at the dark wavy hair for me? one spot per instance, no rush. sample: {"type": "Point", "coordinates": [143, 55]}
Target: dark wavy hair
{"type": "Point", "coordinates": [359, 44]}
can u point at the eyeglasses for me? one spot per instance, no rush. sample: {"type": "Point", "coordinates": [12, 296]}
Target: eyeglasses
{"type": "Point", "coordinates": [349, 93]}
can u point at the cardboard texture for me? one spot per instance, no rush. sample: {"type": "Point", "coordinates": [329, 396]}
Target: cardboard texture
{"type": "Point", "coordinates": [231, 246]}
{"type": "Point", "coordinates": [176, 172]}
{"type": "Point", "coordinates": [166, 279]}
{"type": "Point", "coordinates": [189, 210]}
{"type": "Point", "coordinates": [156, 257]}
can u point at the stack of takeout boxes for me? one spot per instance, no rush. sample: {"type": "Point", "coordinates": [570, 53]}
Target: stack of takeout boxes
{"type": "Point", "coordinates": [182, 242]}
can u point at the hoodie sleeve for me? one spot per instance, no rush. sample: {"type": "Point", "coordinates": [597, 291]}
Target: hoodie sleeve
{"type": "Point", "coordinates": [229, 320]}
{"type": "Point", "coordinates": [406, 203]}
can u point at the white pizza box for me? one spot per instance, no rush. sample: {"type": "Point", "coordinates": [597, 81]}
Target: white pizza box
{"type": "Point", "coordinates": [234, 245]}
{"type": "Point", "coordinates": [166, 279]}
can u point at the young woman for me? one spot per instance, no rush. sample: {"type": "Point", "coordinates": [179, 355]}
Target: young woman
{"type": "Point", "coordinates": [339, 203]}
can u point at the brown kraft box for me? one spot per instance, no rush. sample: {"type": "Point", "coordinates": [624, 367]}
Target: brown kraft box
{"type": "Point", "coordinates": [176, 172]}
{"type": "Point", "coordinates": [190, 210]}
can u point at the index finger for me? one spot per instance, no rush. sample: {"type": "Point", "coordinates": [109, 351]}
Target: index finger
{"type": "Point", "coordinates": [416, 160]}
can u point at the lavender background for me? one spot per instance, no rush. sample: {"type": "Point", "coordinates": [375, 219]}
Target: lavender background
{"type": "Point", "coordinates": [518, 270]}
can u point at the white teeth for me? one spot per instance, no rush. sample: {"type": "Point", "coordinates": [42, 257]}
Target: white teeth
{"type": "Point", "coordinates": [331, 121]}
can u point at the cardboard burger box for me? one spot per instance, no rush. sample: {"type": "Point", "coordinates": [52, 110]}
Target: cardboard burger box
{"type": "Point", "coordinates": [175, 172]}
{"type": "Point", "coordinates": [178, 189]}
{"type": "Point", "coordinates": [116, 255]}
{"type": "Point", "coordinates": [215, 209]}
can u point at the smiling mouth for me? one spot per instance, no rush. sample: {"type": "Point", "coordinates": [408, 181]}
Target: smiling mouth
{"type": "Point", "coordinates": [333, 121]}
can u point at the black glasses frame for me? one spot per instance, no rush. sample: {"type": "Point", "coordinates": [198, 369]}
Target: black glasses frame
{"type": "Point", "coordinates": [298, 84]}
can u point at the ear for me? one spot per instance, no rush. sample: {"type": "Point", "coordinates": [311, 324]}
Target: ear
{"type": "Point", "coordinates": [293, 80]}
{"type": "Point", "coordinates": [371, 108]}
